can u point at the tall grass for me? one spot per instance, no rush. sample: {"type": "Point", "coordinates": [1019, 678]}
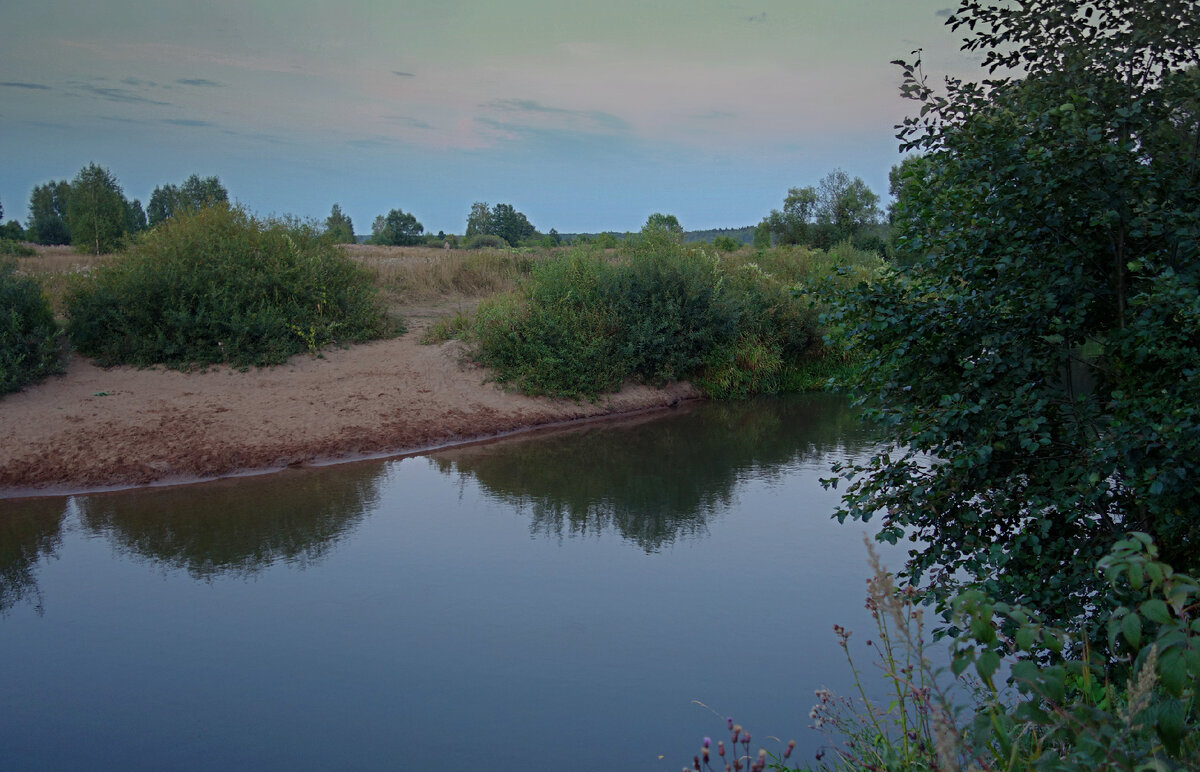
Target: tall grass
{"type": "Point", "coordinates": [408, 274]}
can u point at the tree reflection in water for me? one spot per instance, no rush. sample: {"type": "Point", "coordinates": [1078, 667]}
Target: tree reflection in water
{"type": "Point", "coordinates": [238, 527]}
{"type": "Point", "coordinates": [28, 533]}
{"type": "Point", "coordinates": [654, 487]}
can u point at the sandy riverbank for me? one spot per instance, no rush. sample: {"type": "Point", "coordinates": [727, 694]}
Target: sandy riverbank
{"type": "Point", "coordinates": [95, 428]}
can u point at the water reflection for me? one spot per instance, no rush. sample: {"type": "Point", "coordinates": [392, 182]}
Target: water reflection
{"type": "Point", "coordinates": [26, 536]}
{"type": "Point", "coordinates": [237, 527]}
{"type": "Point", "coordinates": [654, 487]}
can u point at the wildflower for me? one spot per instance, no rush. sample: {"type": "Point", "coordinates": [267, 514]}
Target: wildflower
{"type": "Point", "coordinates": [791, 746]}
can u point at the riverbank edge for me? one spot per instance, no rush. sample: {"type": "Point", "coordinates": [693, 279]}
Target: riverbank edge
{"type": "Point", "coordinates": [675, 396]}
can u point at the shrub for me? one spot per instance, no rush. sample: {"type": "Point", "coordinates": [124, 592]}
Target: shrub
{"type": "Point", "coordinates": [485, 241]}
{"type": "Point", "coordinates": [582, 325]}
{"type": "Point", "coordinates": [12, 248]}
{"type": "Point", "coordinates": [727, 243]}
{"type": "Point", "coordinates": [219, 285]}
{"type": "Point", "coordinates": [29, 347]}
{"type": "Point", "coordinates": [558, 336]}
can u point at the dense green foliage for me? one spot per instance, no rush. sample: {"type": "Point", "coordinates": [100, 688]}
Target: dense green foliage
{"type": "Point", "coordinates": [196, 192]}
{"type": "Point", "coordinates": [217, 285]}
{"type": "Point", "coordinates": [501, 220]}
{"type": "Point", "coordinates": [96, 211]}
{"type": "Point", "coordinates": [839, 208]}
{"type": "Point", "coordinates": [47, 223]}
{"type": "Point", "coordinates": [583, 325]}
{"type": "Point", "coordinates": [29, 347]}
{"type": "Point", "coordinates": [1041, 339]}
{"type": "Point", "coordinates": [1066, 706]}
{"type": "Point", "coordinates": [398, 229]}
{"type": "Point", "coordinates": [339, 228]}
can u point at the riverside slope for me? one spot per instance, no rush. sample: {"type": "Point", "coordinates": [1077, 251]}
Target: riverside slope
{"type": "Point", "coordinates": [95, 428]}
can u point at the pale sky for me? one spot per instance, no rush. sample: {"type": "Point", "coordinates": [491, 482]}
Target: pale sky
{"type": "Point", "coordinates": [586, 116]}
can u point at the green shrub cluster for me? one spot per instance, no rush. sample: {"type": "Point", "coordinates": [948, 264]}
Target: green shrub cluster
{"type": "Point", "coordinates": [219, 285]}
{"type": "Point", "coordinates": [9, 247]}
{"type": "Point", "coordinates": [582, 325]}
{"type": "Point", "coordinates": [485, 241]}
{"type": "Point", "coordinates": [29, 347]}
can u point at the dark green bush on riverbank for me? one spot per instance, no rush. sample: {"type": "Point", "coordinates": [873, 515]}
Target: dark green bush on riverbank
{"type": "Point", "coordinates": [29, 347]}
{"type": "Point", "coordinates": [222, 286]}
{"type": "Point", "coordinates": [582, 325]}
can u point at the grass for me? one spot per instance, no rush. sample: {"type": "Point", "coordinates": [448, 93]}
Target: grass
{"type": "Point", "coordinates": [420, 274]}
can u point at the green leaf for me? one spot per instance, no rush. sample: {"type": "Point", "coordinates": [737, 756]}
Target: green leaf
{"type": "Point", "coordinates": [1156, 611]}
{"type": "Point", "coordinates": [986, 665]}
{"type": "Point", "coordinates": [1131, 628]}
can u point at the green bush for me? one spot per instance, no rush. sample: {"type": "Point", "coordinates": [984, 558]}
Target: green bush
{"type": "Point", "coordinates": [29, 347]}
{"type": "Point", "coordinates": [219, 285]}
{"type": "Point", "coordinates": [16, 249]}
{"type": "Point", "coordinates": [485, 241]}
{"type": "Point", "coordinates": [556, 336]}
{"type": "Point", "coordinates": [582, 325]}
{"type": "Point", "coordinates": [727, 243]}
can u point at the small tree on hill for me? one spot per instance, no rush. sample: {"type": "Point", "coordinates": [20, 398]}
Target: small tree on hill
{"type": "Point", "coordinates": [96, 211]}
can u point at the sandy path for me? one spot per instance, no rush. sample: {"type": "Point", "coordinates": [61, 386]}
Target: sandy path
{"type": "Point", "coordinates": [95, 428]}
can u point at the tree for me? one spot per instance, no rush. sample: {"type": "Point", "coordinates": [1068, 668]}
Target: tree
{"type": "Point", "coordinates": [135, 217]}
{"type": "Point", "coordinates": [840, 207]}
{"type": "Point", "coordinates": [47, 223]}
{"type": "Point", "coordinates": [844, 206]}
{"type": "Point", "coordinates": [479, 221]}
{"type": "Point", "coordinates": [1034, 367]}
{"type": "Point", "coordinates": [195, 193]}
{"type": "Point", "coordinates": [12, 229]}
{"type": "Point", "coordinates": [96, 214]}
{"type": "Point", "coordinates": [511, 225]}
{"type": "Point", "coordinates": [663, 223]}
{"type": "Point", "coordinates": [398, 228]}
{"type": "Point", "coordinates": [339, 227]}
{"type": "Point", "coordinates": [794, 224]}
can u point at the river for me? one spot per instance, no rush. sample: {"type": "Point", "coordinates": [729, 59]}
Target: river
{"type": "Point", "coordinates": [556, 600]}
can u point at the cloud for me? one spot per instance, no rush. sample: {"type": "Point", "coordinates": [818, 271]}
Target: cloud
{"type": "Point", "coordinates": [31, 86]}
{"type": "Point", "coordinates": [944, 13]}
{"type": "Point", "coordinates": [187, 122]}
{"type": "Point", "coordinates": [410, 122]}
{"type": "Point", "coordinates": [138, 82]}
{"type": "Point", "coordinates": [760, 18]}
{"type": "Point", "coordinates": [120, 95]}
{"type": "Point", "coordinates": [369, 144]}
{"type": "Point", "coordinates": [598, 119]}
{"type": "Point", "coordinates": [199, 82]}
{"type": "Point", "coordinates": [403, 74]}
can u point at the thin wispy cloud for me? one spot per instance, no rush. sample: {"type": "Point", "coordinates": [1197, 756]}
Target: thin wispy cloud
{"type": "Point", "coordinates": [401, 74]}
{"type": "Point", "coordinates": [203, 82]}
{"type": "Point", "coordinates": [187, 122]}
{"type": "Point", "coordinates": [410, 122]}
{"type": "Point", "coordinates": [944, 13]}
{"type": "Point", "coordinates": [139, 82]}
{"type": "Point", "coordinates": [30, 86]}
{"type": "Point", "coordinates": [597, 118]}
{"type": "Point", "coordinates": [123, 95]}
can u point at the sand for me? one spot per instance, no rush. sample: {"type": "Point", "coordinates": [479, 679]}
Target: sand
{"type": "Point", "coordinates": [99, 429]}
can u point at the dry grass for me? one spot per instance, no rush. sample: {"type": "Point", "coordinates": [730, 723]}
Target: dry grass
{"type": "Point", "coordinates": [407, 275]}
{"type": "Point", "coordinates": [53, 267]}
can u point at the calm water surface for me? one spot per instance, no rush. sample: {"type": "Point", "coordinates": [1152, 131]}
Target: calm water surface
{"type": "Point", "coordinates": [555, 601]}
